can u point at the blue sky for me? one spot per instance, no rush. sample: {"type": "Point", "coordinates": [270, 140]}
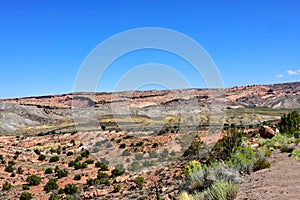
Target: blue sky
{"type": "Point", "coordinates": [43, 43]}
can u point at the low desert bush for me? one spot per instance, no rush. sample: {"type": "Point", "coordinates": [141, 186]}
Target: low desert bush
{"type": "Point", "coordinates": [62, 173]}
{"type": "Point", "coordinates": [222, 191]}
{"type": "Point", "coordinates": [139, 181]}
{"type": "Point", "coordinates": [70, 189]}
{"type": "Point", "coordinates": [48, 171]}
{"type": "Point", "coordinates": [117, 187]}
{"type": "Point", "coordinates": [41, 157]}
{"type": "Point", "coordinates": [296, 154]}
{"type": "Point", "coordinates": [286, 149]}
{"type": "Point", "coordinates": [33, 180]}
{"type": "Point", "coordinates": [261, 163]}
{"type": "Point", "coordinates": [25, 187]}
{"type": "Point", "coordinates": [9, 168]}
{"type": "Point", "coordinates": [51, 185]}
{"type": "Point", "coordinates": [6, 186]}
{"type": "Point", "coordinates": [77, 177]}
{"type": "Point", "coordinates": [54, 159]}
{"type": "Point", "coordinates": [102, 166]}
{"type": "Point", "coordinates": [26, 196]}
{"type": "Point", "coordinates": [243, 160]}
{"type": "Point", "coordinates": [276, 142]}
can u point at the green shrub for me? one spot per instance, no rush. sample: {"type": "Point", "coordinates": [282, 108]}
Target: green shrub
{"type": "Point", "coordinates": [85, 153]}
{"type": "Point", "coordinates": [122, 146]}
{"type": "Point", "coordinates": [289, 123]}
{"type": "Point", "coordinates": [243, 159]}
{"type": "Point", "coordinates": [41, 157]}
{"type": "Point", "coordinates": [286, 149]}
{"type": "Point", "coordinates": [56, 168]}
{"type": "Point", "coordinates": [139, 144]}
{"type": "Point", "coordinates": [33, 180]}
{"type": "Point", "coordinates": [48, 171]}
{"type": "Point", "coordinates": [62, 173]}
{"type": "Point", "coordinates": [61, 191]}
{"type": "Point", "coordinates": [51, 185]}
{"type": "Point", "coordinates": [25, 187]}
{"type": "Point", "coordinates": [185, 196]}
{"type": "Point", "coordinates": [276, 142]}
{"type": "Point", "coordinates": [116, 173]}
{"type": "Point", "coordinates": [138, 156]}
{"type": "Point", "coordinates": [11, 162]}
{"type": "Point", "coordinates": [20, 170]}
{"type": "Point", "coordinates": [117, 187]}
{"type": "Point", "coordinates": [226, 146]}
{"type": "Point", "coordinates": [70, 153]}
{"type": "Point", "coordinates": [102, 166]}
{"type": "Point", "coordinates": [261, 163]}
{"type": "Point", "coordinates": [80, 166]}
{"type": "Point", "coordinates": [139, 181]}
{"type": "Point", "coordinates": [37, 151]}
{"type": "Point", "coordinates": [265, 152]}
{"type": "Point", "coordinates": [126, 153]}
{"type": "Point", "coordinates": [54, 159]}
{"type": "Point", "coordinates": [89, 161]}
{"type": "Point", "coordinates": [102, 175]}
{"type": "Point", "coordinates": [153, 154]}
{"type": "Point", "coordinates": [134, 166]}
{"type": "Point", "coordinates": [79, 158]}
{"type": "Point", "coordinates": [54, 197]}
{"type": "Point", "coordinates": [195, 174]}
{"type": "Point", "coordinates": [77, 177]}
{"type": "Point", "coordinates": [296, 154]}
{"type": "Point", "coordinates": [6, 186]}
{"type": "Point", "coordinates": [26, 196]}
{"type": "Point", "coordinates": [222, 191]}
{"type": "Point", "coordinates": [71, 163]}
{"type": "Point", "coordinates": [92, 181]}
{"type": "Point", "coordinates": [70, 189]}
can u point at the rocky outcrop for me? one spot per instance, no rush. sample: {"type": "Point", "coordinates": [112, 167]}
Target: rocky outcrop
{"type": "Point", "coordinates": [267, 131]}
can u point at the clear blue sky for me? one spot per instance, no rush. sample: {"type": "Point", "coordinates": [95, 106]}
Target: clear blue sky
{"type": "Point", "coordinates": [43, 43]}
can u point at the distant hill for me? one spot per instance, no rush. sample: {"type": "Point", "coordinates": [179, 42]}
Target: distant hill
{"type": "Point", "coordinates": [53, 109]}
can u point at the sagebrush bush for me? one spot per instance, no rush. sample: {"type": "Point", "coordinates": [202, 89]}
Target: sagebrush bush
{"type": "Point", "coordinates": [224, 172]}
{"type": "Point", "coordinates": [54, 159]}
{"type": "Point", "coordinates": [195, 174]}
{"type": "Point", "coordinates": [243, 159]}
{"type": "Point", "coordinates": [117, 187]}
{"type": "Point", "coordinates": [222, 190]}
{"type": "Point", "coordinates": [261, 163]}
{"type": "Point", "coordinates": [185, 196]}
{"type": "Point", "coordinates": [70, 189]}
{"type": "Point", "coordinates": [286, 149]}
{"type": "Point", "coordinates": [33, 180]}
{"type": "Point", "coordinates": [26, 196]}
{"type": "Point", "coordinates": [276, 142]}
{"type": "Point", "coordinates": [6, 186]}
{"type": "Point", "coordinates": [139, 181]}
{"type": "Point", "coordinates": [102, 166]}
{"type": "Point", "coordinates": [51, 185]}
{"type": "Point", "coordinates": [296, 154]}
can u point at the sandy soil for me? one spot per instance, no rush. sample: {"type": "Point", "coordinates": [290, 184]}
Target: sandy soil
{"type": "Point", "coordinates": [280, 181]}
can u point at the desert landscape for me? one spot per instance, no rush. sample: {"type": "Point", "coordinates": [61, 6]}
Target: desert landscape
{"type": "Point", "coordinates": [149, 100]}
{"type": "Point", "coordinates": [140, 155]}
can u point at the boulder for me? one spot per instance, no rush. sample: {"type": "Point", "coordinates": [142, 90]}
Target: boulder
{"type": "Point", "coordinates": [267, 131]}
